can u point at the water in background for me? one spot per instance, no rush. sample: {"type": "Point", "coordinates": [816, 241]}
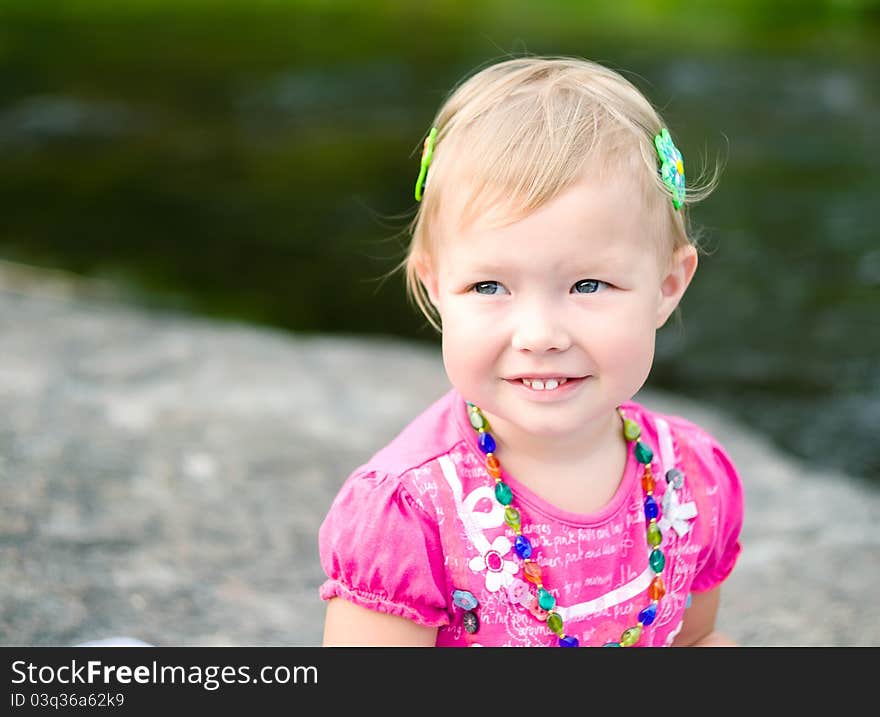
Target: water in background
{"type": "Point", "coordinates": [259, 164]}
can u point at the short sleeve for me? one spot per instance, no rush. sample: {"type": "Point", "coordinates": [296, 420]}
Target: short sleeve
{"type": "Point", "coordinates": [719, 495]}
{"type": "Point", "coordinates": [381, 550]}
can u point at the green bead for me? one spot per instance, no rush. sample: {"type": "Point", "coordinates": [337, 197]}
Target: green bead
{"type": "Point", "coordinates": [631, 430]}
{"type": "Point", "coordinates": [643, 453]}
{"type": "Point", "coordinates": [511, 517]}
{"type": "Point", "coordinates": [655, 537]}
{"type": "Point", "coordinates": [554, 622]}
{"type": "Point", "coordinates": [477, 420]}
{"type": "Point", "coordinates": [631, 636]}
{"type": "Point", "coordinates": [546, 600]}
{"type": "Point", "coordinates": [657, 560]}
{"type": "Point", "coordinates": [503, 493]}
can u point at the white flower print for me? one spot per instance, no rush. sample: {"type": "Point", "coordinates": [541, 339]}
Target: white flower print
{"type": "Point", "coordinates": [676, 514]}
{"type": "Point", "coordinates": [499, 572]}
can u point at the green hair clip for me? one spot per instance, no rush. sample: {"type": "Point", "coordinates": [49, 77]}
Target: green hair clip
{"type": "Point", "coordinates": [672, 166]}
{"type": "Point", "coordinates": [427, 156]}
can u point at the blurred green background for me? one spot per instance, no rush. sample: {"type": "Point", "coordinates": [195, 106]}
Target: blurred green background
{"type": "Point", "coordinates": [255, 160]}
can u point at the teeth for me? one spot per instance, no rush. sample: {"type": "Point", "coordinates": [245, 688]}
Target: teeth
{"type": "Point", "coordinates": [549, 384]}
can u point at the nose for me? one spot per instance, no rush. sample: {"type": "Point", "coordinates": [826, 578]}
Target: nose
{"type": "Point", "coordinates": [540, 327]}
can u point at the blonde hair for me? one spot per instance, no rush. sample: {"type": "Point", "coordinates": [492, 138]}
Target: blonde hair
{"type": "Point", "coordinates": [519, 132]}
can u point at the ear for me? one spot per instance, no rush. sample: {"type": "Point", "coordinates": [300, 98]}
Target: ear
{"type": "Point", "coordinates": [428, 277]}
{"type": "Point", "coordinates": [672, 287]}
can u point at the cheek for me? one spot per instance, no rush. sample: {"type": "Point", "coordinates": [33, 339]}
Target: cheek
{"type": "Point", "coordinates": [462, 324]}
{"type": "Point", "coordinates": [628, 344]}
{"type": "Point", "coordinates": [467, 347]}
{"type": "Point", "coordinates": [461, 351]}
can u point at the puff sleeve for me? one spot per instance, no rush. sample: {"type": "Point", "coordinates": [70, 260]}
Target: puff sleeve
{"type": "Point", "coordinates": [719, 495]}
{"type": "Point", "coordinates": [382, 551]}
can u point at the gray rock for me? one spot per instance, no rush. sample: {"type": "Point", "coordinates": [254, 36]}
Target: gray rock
{"type": "Point", "coordinates": [163, 478]}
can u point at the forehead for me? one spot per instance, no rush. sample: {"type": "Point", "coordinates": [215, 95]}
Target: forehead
{"type": "Point", "coordinates": [602, 223]}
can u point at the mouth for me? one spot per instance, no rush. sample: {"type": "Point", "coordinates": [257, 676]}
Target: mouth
{"type": "Point", "coordinates": [546, 384]}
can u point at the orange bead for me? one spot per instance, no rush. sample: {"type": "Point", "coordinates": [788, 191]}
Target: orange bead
{"type": "Point", "coordinates": [493, 466]}
{"type": "Point", "coordinates": [648, 481]}
{"type": "Point", "coordinates": [533, 572]}
{"type": "Point", "coordinates": [656, 590]}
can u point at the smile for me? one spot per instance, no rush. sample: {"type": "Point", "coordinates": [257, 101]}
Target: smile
{"type": "Point", "coordinates": [547, 384]}
{"type": "Point", "coordinates": [547, 388]}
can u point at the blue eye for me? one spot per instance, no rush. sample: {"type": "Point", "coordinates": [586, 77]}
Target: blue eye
{"type": "Point", "coordinates": [589, 286]}
{"type": "Point", "coordinates": [486, 284]}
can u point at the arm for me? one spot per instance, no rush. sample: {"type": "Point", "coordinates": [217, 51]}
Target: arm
{"type": "Point", "coordinates": [350, 625]}
{"type": "Point", "coordinates": [698, 628]}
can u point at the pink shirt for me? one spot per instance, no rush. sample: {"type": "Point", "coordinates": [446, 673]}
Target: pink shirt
{"type": "Point", "coordinates": [419, 521]}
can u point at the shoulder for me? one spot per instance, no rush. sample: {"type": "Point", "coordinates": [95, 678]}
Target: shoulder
{"type": "Point", "coordinates": [711, 480]}
{"type": "Point", "coordinates": [380, 543]}
{"type": "Point", "coordinates": [433, 433]}
{"type": "Point", "coordinates": [693, 446]}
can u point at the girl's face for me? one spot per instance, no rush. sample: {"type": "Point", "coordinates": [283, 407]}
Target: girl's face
{"type": "Point", "coordinates": [576, 290]}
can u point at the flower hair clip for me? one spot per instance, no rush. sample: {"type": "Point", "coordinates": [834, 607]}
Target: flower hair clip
{"type": "Point", "coordinates": [427, 156]}
{"type": "Point", "coordinates": [672, 166]}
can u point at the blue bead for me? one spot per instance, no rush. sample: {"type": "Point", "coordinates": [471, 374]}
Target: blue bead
{"type": "Point", "coordinates": [687, 603]}
{"type": "Point", "coordinates": [523, 547]}
{"type": "Point", "coordinates": [464, 599]}
{"type": "Point", "coordinates": [487, 443]}
{"type": "Point", "coordinates": [568, 641]}
{"type": "Point", "coordinates": [651, 509]}
{"type": "Point", "coordinates": [646, 616]}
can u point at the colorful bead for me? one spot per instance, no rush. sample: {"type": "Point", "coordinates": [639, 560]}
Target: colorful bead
{"type": "Point", "coordinates": [651, 508]}
{"type": "Point", "coordinates": [554, 622]}
{"type": "Point", "coordinates": [493, 466]}
{"type": "Point", "coordinates": [655, 537]}
{"type": "Point", "coordinates": [532, 572]}
{"type": "Point", "coordinates": [611, 644]}
{"type": "Point", "coordinates": [648, 480]}
{"type": "Point", "coordinates": [643, 453]}
{"type": "Point", "coordinates": [503, 494]}
{"type": "Point", "coordinates": [487, 443]}
{"type": "Point", "coordinates": [546, 599]}
{"type": "Point", "coordinates": [568, 641]}
{"type": "Point", "coordinates": [646, 616]}
{"type": "Point", "coordinates": [511, 517]}
{"type": "Point", "coordinates": [657, 560]}
{"type": "Point", "coordinates": [464, 599]}
{"type": "Point", "coordinates": [631, 430]}
{"type": "Point", "coordinates": [523, 547]}
{"type": "Point", "coordinates": [675, 478]}
{"type": "Point", "coordinates": [477, 420]}
{"type": "Point", "coordinates": [631, 636]}
{"type": "Point", "coordinates": [471, 622]}
{"type": "Point", "coordinates": [656, 589]}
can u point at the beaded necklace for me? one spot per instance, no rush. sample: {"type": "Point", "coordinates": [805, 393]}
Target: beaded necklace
{"type": "Point", "coordinates": [524, 549]}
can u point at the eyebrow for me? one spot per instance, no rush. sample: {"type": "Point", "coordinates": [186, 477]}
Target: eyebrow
{"type": "Point", "coordinates": [605, 263]}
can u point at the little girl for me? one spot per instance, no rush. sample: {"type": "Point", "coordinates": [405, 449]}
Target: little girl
{"type": "Point", "coordinates": [536, 504]}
